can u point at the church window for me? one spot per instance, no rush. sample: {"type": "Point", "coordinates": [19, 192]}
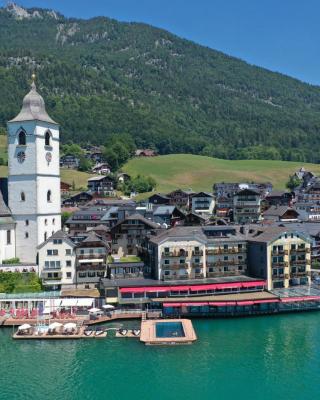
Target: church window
{"type": "Point", "coordinates": [8, 237]}
{"type": "Point", "coordinates": [49, 196]}
{"type": "Point", "coordinates": [46, 221]}
{"type": "Point", "coordinates": [22, 138]}
{"type": "Point", "coordinates": [47, 138]}
{"type": "Point", "coordinates": [27, 222]}
{"type": "Point", "coordinates": [45, 236]}
{"type": "Point", "coordinates": [26, 235]}
{"type": "Point", "coordinates": [53, 221]}
{"type": "Point", "coordinates": [22, 196]}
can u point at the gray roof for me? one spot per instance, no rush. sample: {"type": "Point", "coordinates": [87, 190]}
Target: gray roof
{"type": "Point", "coordinates": [33, 108]}
{"type": "Point", "coordinates": [270, 234]}
{"type": "Point", "coordinates": [164, 210]}
{"type": "Point", "coordinates": [139, 217]}
{"type": "Point", "coordinates": [58, 235]}
{"type": "Point", "coordinates": [275, 211]}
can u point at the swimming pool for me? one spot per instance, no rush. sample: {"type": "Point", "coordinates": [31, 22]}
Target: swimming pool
{"type": "Point", "coordinates": [169, 329]}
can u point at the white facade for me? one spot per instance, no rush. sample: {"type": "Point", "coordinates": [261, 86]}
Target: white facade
{"type": "Point", "coordinates": [7, 242]}
{"type": "Point", "coordinates": [34, 176]}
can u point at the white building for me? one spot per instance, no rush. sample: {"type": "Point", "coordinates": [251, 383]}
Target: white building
{"type": "Point", "coordinates": [203, 203]}
{"type": "Point", "coordinates": [57, 261]}
{"type": "Point", "coordinates": [34, 175]}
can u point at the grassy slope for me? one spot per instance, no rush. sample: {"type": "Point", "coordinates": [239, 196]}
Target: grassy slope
{"type": "Point", "coordinates": [199, 173]}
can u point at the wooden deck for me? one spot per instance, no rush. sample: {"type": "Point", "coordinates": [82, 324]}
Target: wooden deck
{"type": "Point", "coordinates": [148, 333]}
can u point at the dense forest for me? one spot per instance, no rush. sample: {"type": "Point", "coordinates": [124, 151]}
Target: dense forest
{"type": "Point", "coordinates": [101, 77]}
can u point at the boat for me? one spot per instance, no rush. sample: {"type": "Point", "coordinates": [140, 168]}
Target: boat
{"type": "Point", "coordinates": [99, 332]}
{"type": "Point", "coordinates": [136, 332]}
{"type": "Point", "coordinates": [123, 332]}
{"type": "Point", "coordinates": [88, 332]}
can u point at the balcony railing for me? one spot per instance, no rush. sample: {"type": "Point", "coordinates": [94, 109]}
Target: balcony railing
{"type": "Point", "coordinates": [98, 256]}
{"type": "Point", "coordinates": [283, 264]}
{"type": "Point", "coordinates": [174, 266]}
{"type": "Point", "coordinates": [196, 253]}
{"type": "Point", "coordinates": [224, 273]}
{"type": "Point", "coordinates": [280, 252]}
{"type": "Point", "coordinates": [221, 250]}
{"type": "Point", "coordinates": [175, 254]}
{"type": "Point", "coordinates": [300, 250]}
{"type": "Point", "coordinates": [196, 265]}
{"type": "Point", "coordinates": [175, 277]}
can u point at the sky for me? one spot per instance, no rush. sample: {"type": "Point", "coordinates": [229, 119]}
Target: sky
{"type": "Point", "coordinates": [281, 35]}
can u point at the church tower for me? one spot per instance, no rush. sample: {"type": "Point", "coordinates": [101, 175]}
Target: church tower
{"type": "Point", "coordinates": [34, 175]}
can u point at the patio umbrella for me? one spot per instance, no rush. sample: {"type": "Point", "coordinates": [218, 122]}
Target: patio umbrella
{"type": "Point", "coordinates": [94, 310]}
{"type": "Point", "coordinates": [55, 325]}
{"type": "Point", "coordinates": [70, 326]}
{"type": "Point", "coordinates": [108, 307]}
{"type": "Point", "coordinates": [24, 327]}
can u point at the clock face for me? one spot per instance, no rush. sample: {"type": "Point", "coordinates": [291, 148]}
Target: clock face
{"type": "Point", "coordinates": [21, 156]}
{"type": "Point", "coordinates": [48, 156]}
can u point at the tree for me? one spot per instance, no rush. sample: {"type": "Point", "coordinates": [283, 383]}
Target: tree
{"type": "Point", "coordinates": [293, 182]}
{"type": "Point", "coordinates": [84, 164]}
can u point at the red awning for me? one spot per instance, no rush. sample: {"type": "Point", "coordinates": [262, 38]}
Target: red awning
{"type": "Point", "coordinates": [203, 287]}
{"type": "Point", "coordinates": [245, 303]}
{"type": "Point", "coordinates": [218, 304]}
{"type": "Point", "coordinates": [177, 288]}
{"type": "Point", "coordinates": [171, 304]}
{"type": "Point", "coordinates": [253, 284]}
{"type": "Point", "coordinates": [292, 299]}
{"type": "Point", "coordinates": [194, 304]}
{"type": "Point", "coordinates": [230, 285]}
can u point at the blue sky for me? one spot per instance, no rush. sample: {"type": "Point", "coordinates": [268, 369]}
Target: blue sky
{"type": "Point", "coordinates": [281, 35]}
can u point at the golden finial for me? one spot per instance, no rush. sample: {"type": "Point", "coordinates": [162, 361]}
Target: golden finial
{"type": "Point", "coordinates": [33, 85]}
{"type": "Point", "coordinates": [33, 76]}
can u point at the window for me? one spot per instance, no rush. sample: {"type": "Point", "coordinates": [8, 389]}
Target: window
{"type": "Point", "coordinates": [68, 263]}
{"type": "Point", "coordinates": [225, 258]}
{"type": "Point", "coordinates": [82, 274]}
{"type": "Point", "coordinates": [57, 241]}
{"type": "Point", "coordinates": [27, 222]}
{"type": "Point", "coordinates": [49, 196]}
{"type": "Point", "coordinates": [91, 274]}
{"type": "Point", "coordinates": [181, 261]}
{"type": "Point", "coordinates": [8, 237]}
{"type": "Point", "coordinates": [46, 221]}
{"type": "Point", "coordinates": [47, 138]}
{"type": "Point", "coordinates": [45, 236]}
{"type": "Point", "coordinates": [22, 196]}
{"type": "Point", "coordinates": [53, 221]}
{"type": "Point", "coordinates": [53, 252]}
{"type": "Point", "coordinates": [68, 252]}
{"type": "Point", "coordinates": [26, 235]}
{"type": "Point", "coordinates": [68, 274]}
{"type": "Point", "coordinates": [22, 139]}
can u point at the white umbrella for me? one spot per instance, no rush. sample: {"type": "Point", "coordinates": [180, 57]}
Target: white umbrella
{"type": "Point", "coordinates": [24, 327]}
{"type": "Point", "coordinates": [55, 325]}
{"type": "Point", "coordinates": [108, 307]}
{"type": "Point", "coordinates": [70, 325]}
{"type": "Point", "coordinates": [94, 310]}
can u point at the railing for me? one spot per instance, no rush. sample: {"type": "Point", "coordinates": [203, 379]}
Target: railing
{"type": "Point", "coordinates": [175, 277]}
{"type": "Point", "coordinates": [197, 265]}
{"type": "Point", "coordinates": [99, 256]}
{"type": "Point", "coordinates": [174, 266]}
{"type": "Point", "coordinates": [224, 273]}
{"type": "Point", "coordinates": [196, 253]}
{"type": "Point", "coordinates": [301, 250]}
{"type": "Point", "coordinates": [283, 264]}
{"type": "Point", "coordinates": [280, 252]}
{"type": "Point", "coordinates": [233, 250]}
{"type": "Point", "coordinates": [175, 254]}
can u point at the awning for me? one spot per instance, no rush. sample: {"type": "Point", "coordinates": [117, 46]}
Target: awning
{"type": "Point", "coordinates": [195, 304]}
{"type": "Point", "coordinates": [203, 287]}
{"type": "Point", "coordinates": [253, 284]}
{"type": "Point", "coordinates": [219, 304]}
{"type": "Point", "coordinates": [245, 303]}
{"type": "Point", "coordinates": [177, 288]}
{"type": "Point", "coordinates": [69, 302]}
{"type": "Point", "coordinates": [230, 285]}
{"type": "Point", "coordinates": [292, 299]}
{"type": "Point", "coordinates": [266, 301]}
{"type": "Point", "coordinates": [53, 303]}
{"type": "Point", "coordinates": [85, 302]}
{"type": "Point", "coordinates": [171, 304]}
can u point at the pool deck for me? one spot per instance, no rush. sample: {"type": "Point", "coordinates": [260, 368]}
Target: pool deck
{"type": "Point", "coordinates": [148, 333]}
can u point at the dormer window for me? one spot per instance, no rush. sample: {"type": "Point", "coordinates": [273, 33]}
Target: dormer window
{"type": "Point", "coordinates": [47, 139]}
{"type": "Point", "coordinates": [22, 140]}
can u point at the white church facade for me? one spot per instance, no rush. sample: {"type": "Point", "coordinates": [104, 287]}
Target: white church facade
{"type": "Point", "coordinates": [33, 177]}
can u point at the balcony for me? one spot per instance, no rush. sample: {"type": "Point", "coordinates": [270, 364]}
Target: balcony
{"type": "Point", "coordinates": [174, 266]}
{"type": "Point", "coordinates": [299, 274]}
{"type": "Point", "coordinates": [196, 265]}
{"type": "Point", "coordinates": [283, 264]}
{"type": "Point", "coordinates": [175, 277]}
{"type": "Point", "coordinates": [300, 262]}
{"type": "Point", "coordinates": [221, 250]}
{"type": "Point", "coordinates": [301, 250]}
{"type": "Point", "coordinates": [196, 253]}
{"type": "Point", "coordinates": [224, 273]}
{"type": "Point", "coordinates": [174, 254]}
{"type": "Point", "coordinates": [91, 256]}
{"type": "Point", "coordinates": [198, 276]}
{"type": "Point", "coordinates": [279, 252]}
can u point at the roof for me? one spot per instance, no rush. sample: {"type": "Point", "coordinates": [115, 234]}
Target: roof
{"type": "Point", "coordinates": [92, 237]}
{"type": "Point", "coordinates": [99, 178]}
{"type": "Point", "coordinates": [277, 193]}
{"type": "Point", "coordinates": [33, 108]}
{"type": "Point", "coordinates": [278, 211]}
{"type": "Point", "coordinates": [163, 196]}
{"type": "Point", "coordinates": [139, 217]}
{"type": "Point", "coordinates": [202, 194]}
{"type": "Point", "coordinates": [58, 235]}
{"type": "Point", "coordinates": [248, 191]}
{"type": "Point", "coordinates": [269, 234]}
{"type": "Point", "coordinates": [162, 210]}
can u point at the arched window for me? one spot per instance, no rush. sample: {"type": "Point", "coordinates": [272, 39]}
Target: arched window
{"type": "Point", "coordinates": [49, 196]}
{"type": "Point", "coordinates": [27, 222]}
{"type": "Point", "coordinates": [22, 138]}
{"type": "Point", "coordinates": [26, 235]}
{"type": "Point", "coordinates": [53, 221]}
{"type": "Point", "coordinates": [45, 236]}
{"type": "Point", "coordinates": [22, 196]}
{"type": "Point", "coordinates": [47, 138]}
{"type": "Point", "coordinates": [46, 221]}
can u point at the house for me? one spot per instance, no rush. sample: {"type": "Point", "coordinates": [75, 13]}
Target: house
{"type": "Point", "coordinates": [194, 219]}
{"type": "Point", "coordinates": [246, 206]}
{"type": "Point", "coordinates": [65, 188]}
{"type": "Point", "coordinates": [279, 198]}
{"type": "Point", "coordinates": [101, 169]}
{"type": "Point", "coordinates": [128, 234]}
{"type": "Point", "coordinates": [203, 203]}
{"type": "Point", "coordinates": [81, 221]}
{"type": "Point", "coordinates": [77, 199]}
{"type": "Point", "coordinates": [57, 260]}
{"type": "Point", "coordinates": [198, 253]}
{"type": "Point", "coordinates": [181, 198]}
{"type": "Point", "coordinates": [169, 215]}
{"type": "Point", "coordinates": [91, 261]}
{"type": "Point", "coordinates": [94, 154]}
{"type": "Point", "coordinates": [145, 153]}
{"type": "Point", "coordinates": [101, 185]}
{"type": "Point", "coordinates": [69, 161]}
{"type": "Point", "coordinates": [281, 256]}
{"type": "Point", "coordinates": [159, 198]}
{"type": "Point", "coordinates": [224, 206]}
{"type": "Point", "coordinates": [281, 213]}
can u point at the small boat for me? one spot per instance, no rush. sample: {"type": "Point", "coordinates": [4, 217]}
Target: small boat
{"type": "Point", "coordinates": [88, 332]}
{"type": "Point", "coordinates": [136, 332]}
{"type": "Point", "coordinates": [99, 332]}
{"type": "Point", "coordinates": [123, 332]}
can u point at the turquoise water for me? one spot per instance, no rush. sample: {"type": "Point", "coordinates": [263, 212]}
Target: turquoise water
{"type": "Point", "coordinates": [169, 329]}
{"type": "Point", "coordinates": [260, 358]}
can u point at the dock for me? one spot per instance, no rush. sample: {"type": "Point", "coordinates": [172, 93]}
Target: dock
{"type": "Point", "coordinates": [58, 336]}
{"type": "Point", "coordinates": [149, 333]}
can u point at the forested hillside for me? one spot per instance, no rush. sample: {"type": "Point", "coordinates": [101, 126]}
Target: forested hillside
{"type": "Point", "coordinates": [101, 77]}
